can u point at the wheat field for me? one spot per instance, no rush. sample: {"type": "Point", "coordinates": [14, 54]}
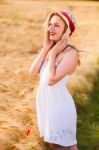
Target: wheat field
{"type": "Point", "coordinates": [21, 34]}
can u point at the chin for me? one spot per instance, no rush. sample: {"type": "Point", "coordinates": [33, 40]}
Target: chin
{"type": "Point", "coordinates": [54, 39]}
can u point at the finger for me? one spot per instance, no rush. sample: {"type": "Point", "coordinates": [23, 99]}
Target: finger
{"type": "Point", "coordinates": [61, 41]}
{"type": "Point", "coordinates": [65, 40]}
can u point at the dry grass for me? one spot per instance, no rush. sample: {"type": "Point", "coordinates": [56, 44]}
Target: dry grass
{"type": "Point", "coordinates": [21, 36]}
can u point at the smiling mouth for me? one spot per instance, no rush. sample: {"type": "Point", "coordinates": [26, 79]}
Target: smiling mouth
{"type": "Point", "coordinates": [51, 33]}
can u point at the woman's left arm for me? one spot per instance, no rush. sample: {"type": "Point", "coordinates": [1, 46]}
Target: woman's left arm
{"type": "Point", "coordinates": [66, 66]}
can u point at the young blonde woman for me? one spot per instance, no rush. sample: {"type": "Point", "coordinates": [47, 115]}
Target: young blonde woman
{"type": "Point", "coordinates": [57, 60]}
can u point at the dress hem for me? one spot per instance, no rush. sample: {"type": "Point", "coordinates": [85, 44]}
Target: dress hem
{"type": "Point", "coordinates": [53, 142]}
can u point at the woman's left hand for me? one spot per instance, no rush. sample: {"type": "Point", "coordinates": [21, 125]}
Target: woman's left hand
{"type": "Point", "coordinates": [59, 47]}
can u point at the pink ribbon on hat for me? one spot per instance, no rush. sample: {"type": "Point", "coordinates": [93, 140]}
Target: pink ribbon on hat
{"type": "Point", "coordinates": [71, 24]}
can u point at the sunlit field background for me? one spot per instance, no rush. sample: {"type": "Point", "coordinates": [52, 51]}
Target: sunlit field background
{"type": "Point", "coordinates": [21, 38]}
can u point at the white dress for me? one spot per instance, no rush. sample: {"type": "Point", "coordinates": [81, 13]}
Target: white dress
{"type": "Point", "coordinates": [56, 111]}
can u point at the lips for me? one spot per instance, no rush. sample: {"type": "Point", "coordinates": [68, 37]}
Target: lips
{"type": "Point", "coordinates": [52, 33]}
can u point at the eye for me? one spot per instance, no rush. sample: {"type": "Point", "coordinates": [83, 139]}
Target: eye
{"type": "Point", "coordinates": [56, 25]}
{"type": "Point", "coordinates": [49, 24]}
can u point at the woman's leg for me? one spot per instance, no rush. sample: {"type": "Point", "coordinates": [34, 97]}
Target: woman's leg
{"type": "Point", "coordinates": [74, 147]}
{"type": "Point", "coordinates": [57, 147]}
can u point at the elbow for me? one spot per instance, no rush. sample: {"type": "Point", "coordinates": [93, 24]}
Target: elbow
{"type": "Point", "coordinates": [50, 81]}
{"type": "Point", "coordinates": [31, 73]}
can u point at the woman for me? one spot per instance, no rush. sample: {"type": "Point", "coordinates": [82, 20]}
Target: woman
{"type": "Point", "coordinates": [56, 111]}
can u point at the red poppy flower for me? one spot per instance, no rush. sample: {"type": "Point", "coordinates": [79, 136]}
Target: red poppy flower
{"type": "Point", "coordinates": [27, 132]}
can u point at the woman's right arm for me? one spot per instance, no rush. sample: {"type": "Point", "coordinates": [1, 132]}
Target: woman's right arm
{"type": "Point", "coordinates": [36, 65]}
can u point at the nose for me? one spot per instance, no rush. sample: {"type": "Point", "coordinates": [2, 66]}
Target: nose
{"type": "Point", "coordinates": [51, 28]}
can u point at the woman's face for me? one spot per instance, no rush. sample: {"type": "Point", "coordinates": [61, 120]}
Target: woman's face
{"type": "Point", "coordinates": [56, 28]}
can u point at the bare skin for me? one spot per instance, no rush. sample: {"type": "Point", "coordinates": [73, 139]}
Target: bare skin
{"type": "Point", "coordinates": [58, 147]}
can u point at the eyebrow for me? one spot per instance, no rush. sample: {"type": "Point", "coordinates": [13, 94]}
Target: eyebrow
{"type": "Point", "coordinates": [54, 23]}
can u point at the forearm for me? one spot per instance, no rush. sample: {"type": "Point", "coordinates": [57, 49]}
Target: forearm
{"type": "Point", "coordinates": [52, 68]}
{"type": "Point", "coordinates": [35, 67]}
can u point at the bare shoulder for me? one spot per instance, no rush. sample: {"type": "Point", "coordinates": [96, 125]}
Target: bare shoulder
{"type": "Point", "coordinates": [71, 52]}
{"type": "Point", "coordinates": [67, 54]}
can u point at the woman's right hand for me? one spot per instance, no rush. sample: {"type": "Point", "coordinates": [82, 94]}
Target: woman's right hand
{"type": "Point", "coordinates": [48, 44]}
{"type": "Point", "coordinates": [59, 47]}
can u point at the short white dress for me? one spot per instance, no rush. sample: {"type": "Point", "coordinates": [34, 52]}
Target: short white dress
{"type": "Point", "coordinates": [56, 110]}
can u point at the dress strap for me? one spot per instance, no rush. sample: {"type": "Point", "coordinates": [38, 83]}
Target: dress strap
{"type": "Point", "coordinates": [66, 49]}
